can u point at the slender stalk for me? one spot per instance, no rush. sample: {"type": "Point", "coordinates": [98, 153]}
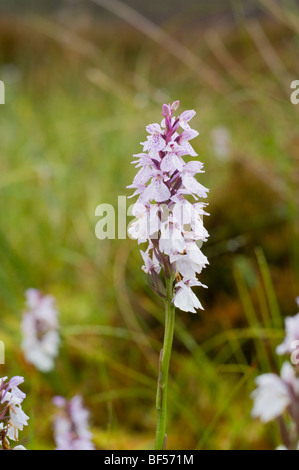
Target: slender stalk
{"type": "Point", "coordinates": [161, 399]}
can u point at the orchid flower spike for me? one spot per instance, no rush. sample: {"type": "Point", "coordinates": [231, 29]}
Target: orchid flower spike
{"type": "Point", "coordinates": [166, 220]}
{"type": "Point", "coordinates": [12, 417]}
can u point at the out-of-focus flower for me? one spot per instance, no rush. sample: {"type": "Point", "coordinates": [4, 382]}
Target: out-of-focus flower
{"type": "Point", "coordinates": [165, 218]}
{"type": "Point", "coordinates": [283, 447]}
{"type": "Point", "coordinates": [276, 394]}
{"type": "Point", "coordinates": [292, 335]}
{"type": "Point", "coordinates": [71, 427]}
{"type": "Point", "coordinates": [40, 330]}
{"type": "Point", "coordinates": [12, 417]}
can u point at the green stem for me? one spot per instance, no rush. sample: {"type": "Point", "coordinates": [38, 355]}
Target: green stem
{"type": "Point", "coordinates": [161, 399]}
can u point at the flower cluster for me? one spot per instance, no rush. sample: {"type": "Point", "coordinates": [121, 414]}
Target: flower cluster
{"type": "Point", "coordinates": [40, 330]}
{"type": "Point", "coordinates": [71, 429]}
{"type": "Point", "coordinates": [275, 394]}
{"type": "Point", "coordinates": [12, 417]}
{"type": "Point", "coordinates": [165, 218]}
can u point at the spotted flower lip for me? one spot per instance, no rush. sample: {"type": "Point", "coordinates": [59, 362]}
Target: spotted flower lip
{"type": "Point", "coordinates": [184, 298]}
{"type": "Point", "coordinates": [166, 219]}
{"type": "Point", "coordinates": [12, 385]}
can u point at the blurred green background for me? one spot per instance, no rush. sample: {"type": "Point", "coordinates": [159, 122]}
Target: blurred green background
{"type": "Point", "coordinates": [83, 79]}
